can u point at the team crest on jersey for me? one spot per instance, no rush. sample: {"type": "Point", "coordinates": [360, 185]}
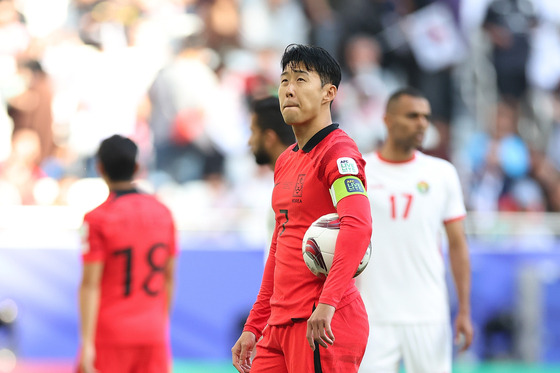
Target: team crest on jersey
{"type": "Point", "coordinates": [298, 189]}
{"type": "Point", "coordinates": [347, 166]}
{"type": "Point", "coordinates": [423, 187]}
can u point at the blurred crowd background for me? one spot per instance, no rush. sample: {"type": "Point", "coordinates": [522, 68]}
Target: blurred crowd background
{"type": "Point", "coordinates": [177, 76]}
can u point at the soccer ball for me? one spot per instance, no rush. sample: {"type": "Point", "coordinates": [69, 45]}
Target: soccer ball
{"type": "Point", "coordinates": [319, 243]}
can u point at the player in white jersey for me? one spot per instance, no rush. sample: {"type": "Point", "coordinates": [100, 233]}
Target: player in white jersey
{"type": "Point", "coordinates": [414, 199]}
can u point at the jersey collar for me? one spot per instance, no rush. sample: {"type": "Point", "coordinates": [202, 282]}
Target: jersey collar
{"type": "Point", "coordinates": [397, 162]}
{"type": "Point", "coordinates": [120, 193]}
{"type": "Point", "coordinates": [317, 138]}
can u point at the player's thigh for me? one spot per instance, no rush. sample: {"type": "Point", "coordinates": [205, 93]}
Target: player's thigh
{"type": "Point", "coordinates": [153, 359]}
{"type": "Point", "coordinates": [269, 356]}
{"type": "Point", "coordinates": [383, 351]}
{"type": "Point", "coordinates": [427, 348]}
{"type": "Point", "coordinates": [350, 327]}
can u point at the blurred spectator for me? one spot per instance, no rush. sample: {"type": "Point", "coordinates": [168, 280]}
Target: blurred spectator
{"type": "Point", "coordinates": [498, 158]}
{"type": "Point", "coordinates": [182, 96]}
{"type": "Point", "coordinates": [508, 24]}
{"type": "Point", "coordinates": [21, 169]}
{"type": "Point", "coordinates": [222, 20]}
{"type": "Point", "coordinates": [543, 71]}
{"type": "Point", "coordinates": [14, 37]}
{"type": "Point", "coordinates": [272, 24]}
{"type": "Point", "coordinates": [6, 128]}
{"type": "Point", "coordinates": [546, 162]}
{"type": "Point", "coordinates": [552, 148]}
{"type": "Point", "coordinates": [32, 108]}
{"type": "Point", "coordinates": [325, 23]}
{"type": "Point", "coordinates": [363, 94]}
{"type": "Point", "coordinates": [111, 78]}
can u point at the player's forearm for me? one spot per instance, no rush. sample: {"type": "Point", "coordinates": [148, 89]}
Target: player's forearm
{"type": "Point", "coordinates": [169, 284]}
{"type": "Point", "coordinates": [170, 289]}
{"type": "Point", "coordinates": [89, 305]}
{"type": "Point", "coordinates": [352, 243]}
{"type": "Point", "coordinates": [460, 266]}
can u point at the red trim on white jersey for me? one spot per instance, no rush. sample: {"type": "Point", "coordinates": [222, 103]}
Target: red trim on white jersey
{"type": "Point", "coordinates": [396, 162]}
{"type": "Point", "coordinates": [454, 219]}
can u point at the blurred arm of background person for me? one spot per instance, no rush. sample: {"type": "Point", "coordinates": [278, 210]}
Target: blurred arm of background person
{"type": "Point", "coordinates": [460, 266]}
{"type": "Point", "coordinates": [169, 274]}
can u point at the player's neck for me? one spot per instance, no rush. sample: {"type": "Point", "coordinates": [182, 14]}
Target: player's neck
{"type": "Point", "coordinates": [305, 131]}
{"type": "Point", "coordinates": [275, 153]}
{"type": "Point", "coordinates": [394, 153]}
{"type": "Point", "coordinates": [117, 186]}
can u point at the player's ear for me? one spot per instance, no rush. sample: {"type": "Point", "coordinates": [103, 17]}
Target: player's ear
{"type": "Point", "coordinates": [270, 137]}
{"type": "Point", "coordinates": [329, 92]}
{"type": "Point", "coordinates": [136, 167]}
{"type": "Point", "coordinates": [387, 120]}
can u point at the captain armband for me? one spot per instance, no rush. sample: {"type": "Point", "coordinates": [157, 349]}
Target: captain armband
{"type": "Point", "coordinates": [346, 186]}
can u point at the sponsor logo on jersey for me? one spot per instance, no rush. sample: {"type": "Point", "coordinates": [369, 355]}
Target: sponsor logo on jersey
{"type": "Point", "coordinates": [423, 187]}
{"type": "Point", "coordinates": [354, 186]}
{"type": "Point", "coordinates": [298, 189]}
{"type": "Point", "coordinates": [347, 166]}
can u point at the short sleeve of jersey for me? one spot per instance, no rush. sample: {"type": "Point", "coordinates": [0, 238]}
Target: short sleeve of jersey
{"type": "Point", "coordinates": [454, 206]}
{"type": "Point", "coordinates": [92, 241]}
{"type": "Point", "coordinates": [342, 159]}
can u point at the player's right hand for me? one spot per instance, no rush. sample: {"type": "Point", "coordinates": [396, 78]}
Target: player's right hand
{"type": "Point", "coordinates": [241, 352]}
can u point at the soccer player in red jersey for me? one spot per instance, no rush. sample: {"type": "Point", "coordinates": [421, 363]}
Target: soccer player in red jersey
{"type": "Point", "coordinates": [129, 247]}
{"type": "Point", "coordinates": [295, 311]}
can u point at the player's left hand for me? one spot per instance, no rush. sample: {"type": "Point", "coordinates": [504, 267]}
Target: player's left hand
{"type": "Point", "coordinates": [463, 331]}
{"type": "Point", "coordinates": [319, 326]}
{"type": "Point", "coordinates": [87, 357]}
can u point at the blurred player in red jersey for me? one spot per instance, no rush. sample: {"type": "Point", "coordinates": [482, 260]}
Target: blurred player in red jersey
{"type": "Point", "coordinates": [322, 173]}
{"type": "Point", "coordinates": [129, 248]}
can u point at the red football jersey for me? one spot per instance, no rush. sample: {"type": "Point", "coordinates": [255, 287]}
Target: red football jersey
{"type": "Point", "coordinates": [133, 234]}
{"type": "Point", "coordinates": [301, 195]}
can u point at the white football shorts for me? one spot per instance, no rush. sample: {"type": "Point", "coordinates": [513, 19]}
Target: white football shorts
{"type": "Point", "coordinates": [424, 348]}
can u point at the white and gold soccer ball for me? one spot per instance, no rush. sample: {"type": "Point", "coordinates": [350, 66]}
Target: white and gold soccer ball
{"type": "Point", "coordinates": [319, 244]}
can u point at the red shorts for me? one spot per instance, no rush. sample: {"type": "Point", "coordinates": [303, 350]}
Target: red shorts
{"type": "Point", "coordinates": [132, 359]}
{"type": "Point", "coordinates": [284, 348]}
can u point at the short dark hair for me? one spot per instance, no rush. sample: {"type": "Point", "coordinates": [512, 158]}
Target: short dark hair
{"type": "Point", "coordinates": [406, 91]}
{"type": "Point", "coordinates": [269, 116]}
{"type": "Point", "coordinates": [118, 154]}
{"type": "Point", "coordinates": [314, 59]}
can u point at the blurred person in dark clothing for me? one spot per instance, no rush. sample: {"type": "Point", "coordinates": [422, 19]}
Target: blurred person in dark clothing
{"type": "Point", "coordinates": [508, 24]}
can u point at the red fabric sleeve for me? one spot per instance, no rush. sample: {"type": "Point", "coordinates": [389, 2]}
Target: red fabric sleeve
{"type": "Point", "coordinates": [260, 313]}
{"type": "Point", "coordinates": [351, 245]}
